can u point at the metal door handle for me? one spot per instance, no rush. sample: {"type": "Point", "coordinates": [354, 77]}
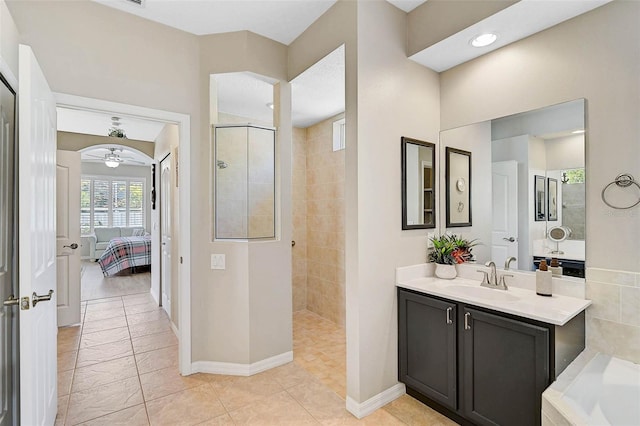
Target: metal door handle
{"type": "Point", "coordinates": [35, 298]}
{"type": "Point", "coordinates": [293, 243]}
{"type": "Point", "coordinates": [510, 239]}
{"type": "Point", "coordinates": [11, 300]}
{"type": "Point", "coordinates": [467, 326]}
{"type": "Point", "coordinates": [449, 309]}
{"type": "Point", "coordinates": [72, 246]}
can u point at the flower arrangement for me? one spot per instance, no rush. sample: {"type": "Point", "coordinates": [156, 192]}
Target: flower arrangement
{"type": "Point", "coordinates": [451, 250]}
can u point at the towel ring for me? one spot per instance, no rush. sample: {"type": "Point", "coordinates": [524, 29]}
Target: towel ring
{"type": "Point", "coordinates": [624, 180]}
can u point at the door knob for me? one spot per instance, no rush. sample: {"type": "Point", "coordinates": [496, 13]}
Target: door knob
{"type": "Point", "coordinates": [42, 298]}
{"type": "Point", "coordinates": [72, 246]}
{"type": "Point", "coordinates": [12, 300]}
{"type": "Point", "coordinates": [510, 239]}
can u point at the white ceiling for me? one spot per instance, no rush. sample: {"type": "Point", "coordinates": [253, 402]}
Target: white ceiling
{"type": "Point", "coordinates": [280, 20]}
{"type": "Point", "coordinates": [318, 93]}
{"type": "Point", "coordinates": [246, 95]}
{"type": "Point", "coordinates": [99, 123]}
{"type": "Point", "coordinates": [406, 5]}
{"type": "Point", "coordinates": [514, 23]}
{"type": "Point", "coordinates": [130, 157]}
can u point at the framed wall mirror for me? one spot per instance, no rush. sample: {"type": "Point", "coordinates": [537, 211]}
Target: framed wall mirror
{"type": "Point", "coordinates": [418, 184]}
{"type": "Point", "coordinates": [529, 177]}
{"type": "Point", "coordinates": [458, 187]}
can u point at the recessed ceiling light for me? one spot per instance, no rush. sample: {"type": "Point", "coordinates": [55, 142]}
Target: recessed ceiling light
{"type": "Point", "coordinates": [578, 132]}
{"type": "Point", "coordinates": [270, 105]}
{"type": "Point", "coordinates": [483, 40]}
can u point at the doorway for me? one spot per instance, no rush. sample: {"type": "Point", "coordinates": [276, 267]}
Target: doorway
{"type": "Point", "coordinates": [165, 233]}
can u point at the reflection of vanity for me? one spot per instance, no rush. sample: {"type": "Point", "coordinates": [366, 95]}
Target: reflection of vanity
{"type": "Point", "coordinates": [570, 267]}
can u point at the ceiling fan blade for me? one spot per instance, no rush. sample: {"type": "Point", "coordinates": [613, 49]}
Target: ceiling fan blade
{"type": "Point", "coordinates": [101, 157]}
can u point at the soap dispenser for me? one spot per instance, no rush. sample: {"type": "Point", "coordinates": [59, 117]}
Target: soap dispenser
{"type": "Point", "coordinates": [555, 268]}
{"type": "Point", "coordinates": [543, 279]}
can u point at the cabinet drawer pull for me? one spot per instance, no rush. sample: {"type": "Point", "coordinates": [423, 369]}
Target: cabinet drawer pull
{"type": "Point", "coordinates": [467, 326]}
{"type": "Point", "coordinates": [449, 309]}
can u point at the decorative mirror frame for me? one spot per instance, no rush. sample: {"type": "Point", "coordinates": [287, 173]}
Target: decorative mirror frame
{"type": "Point", "coordinates": [458, 167]}
{"type": "Point", "coordinates": [552, 199]}
{"type": "Point", "coordinates": [539, 199]}
{"type": "Point", "coordinates": [404, 141]}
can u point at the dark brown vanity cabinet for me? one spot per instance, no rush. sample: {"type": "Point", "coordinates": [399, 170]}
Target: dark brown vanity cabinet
{"type": "Point", "coordinates": [474, 365]}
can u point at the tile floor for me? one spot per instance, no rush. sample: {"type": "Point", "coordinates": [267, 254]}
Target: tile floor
{"type": "Point", "coordinates": [119, 367]}
{"type": "Point", "coordinates": [96, 286]}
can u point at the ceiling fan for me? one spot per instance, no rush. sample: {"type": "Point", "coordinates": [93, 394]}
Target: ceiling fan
{"type": "Point", "coordinates": [113, 160]}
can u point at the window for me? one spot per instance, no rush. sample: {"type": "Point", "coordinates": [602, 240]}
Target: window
{"type": "Point", "coordinates": [339, 134]}
{"type": "Point", "coordinates": [106, 201]}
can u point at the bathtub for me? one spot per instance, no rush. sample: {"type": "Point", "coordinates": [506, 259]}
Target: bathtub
{"type": "Point", "coordinates": [596, 389]}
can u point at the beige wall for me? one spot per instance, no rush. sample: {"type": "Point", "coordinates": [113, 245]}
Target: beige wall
{"type": "Point", "coordinates": [396, 97]}
{"type": "Point", "coordinates": [325, 223]}
{"type": "Point", "coordinates": [595, 56]}
{"type": "Point", "coordinates": [76, 141]}
{"type": "Point", "coordinates": [299, 233]}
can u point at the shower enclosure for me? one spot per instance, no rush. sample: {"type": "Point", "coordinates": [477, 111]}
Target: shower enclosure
{"type": "Point", "coordinates": [244, 176]}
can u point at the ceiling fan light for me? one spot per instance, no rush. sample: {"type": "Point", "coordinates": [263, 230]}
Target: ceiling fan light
{"type": "Point", "coordinates": [483, 40]}
{"type": "Point", "coordinates": [111, 163]}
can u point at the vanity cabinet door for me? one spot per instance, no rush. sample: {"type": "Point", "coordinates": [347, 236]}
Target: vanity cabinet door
{"type": "Point", "coordinates": [427, 346]}
{"type": "Point", "coordinates": [505, 369]}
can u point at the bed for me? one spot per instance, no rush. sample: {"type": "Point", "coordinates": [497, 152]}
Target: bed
{"type": "Point", "coordinates": [124, 253]}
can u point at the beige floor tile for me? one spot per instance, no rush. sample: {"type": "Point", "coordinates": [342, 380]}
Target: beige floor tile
{"type": "Point", "coordinates": [104, 373]}
{"type": "Point", "coordinates": [104, 314]}
{"type": "Point", "coordinates": [223, 420]}
{"type": "Point", "coordinates": [105, 306]}
{"type": "Point", "coordinates": [322, 403]}
{"type": "Point", "coordinates": [106, 336]}
{"type": "Point", "coordinates": [102, 353]}
{"type": "Point", "coordinates": [104, 300]}
{"type": "Point", "coordinates": [103, 400]}
{"type": "Point", "coordinates": [157, 360]}
{"type": "Point", "coordinates": [414, 413]}
{"type": "Point", "coordinates": [278, 409]}
{"type": "Point", "coordinates": [68, 342]}
{"type": "Point", "coordinates": [154, 341]}
{"type": "Point", "coordinates": [147, 328]}
{"type": "Point", "coordinates": [133, 416]}
{"type": "Point", "coordinates": [377, 418]}
{"type": "Point", "coordinates": [290, 375]}
{"type": "Point", "coordinates": [163, 382]}
{"type": "Point", "coordinates": [145, 307]}
{"type": "Point", "coordinates": [188, 407]}
{"type": "Point", "coordinates": [63, 403]}
{"type": "Point", "coordinates": [75, 330]}
{"type": "Point", "coordinates": [244, 391]}
{"type": "Point", "coordinates": [67, 360]}
{"type": "Point", "coordinates": [144, 317]}
{"type": "Point", "coordinates": [64, 382]}
{"type": "Point", "coordinates": [106, 324]}
{"type": "Point", "coordinates": [137, 299]}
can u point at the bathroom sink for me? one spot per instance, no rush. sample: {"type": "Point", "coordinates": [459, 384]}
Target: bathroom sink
{"type": "Point", "coordinates": [483, 293]}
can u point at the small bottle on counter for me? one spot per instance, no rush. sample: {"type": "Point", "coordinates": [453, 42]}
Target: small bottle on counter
{"type": "Point", "coordinates": [555, 268]}
{"type": "Point", "coordinates": [543, 280]}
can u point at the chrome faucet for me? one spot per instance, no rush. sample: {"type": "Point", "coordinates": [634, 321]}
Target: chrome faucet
{"type": "Point", "coordinates": [490, 279]}
{"type": "Point", "coordinates": [508, 262]}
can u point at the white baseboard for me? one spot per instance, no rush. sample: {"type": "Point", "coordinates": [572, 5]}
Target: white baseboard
{"type": "Point", "coordinates": [155, 295]}
{"type": "Point", "coordinates": [174, 329]}
{"type": "Point", "coordinates": [233, 369]}
{"type": "Point", "coordinates": [361, 410]}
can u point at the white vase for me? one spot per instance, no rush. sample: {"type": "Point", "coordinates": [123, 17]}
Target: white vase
{"type": "Point", "coordinates": [447, 272]}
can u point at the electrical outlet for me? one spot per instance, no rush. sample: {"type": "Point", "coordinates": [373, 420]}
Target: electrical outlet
{"type": "Point", "coordinates": [218, 261]}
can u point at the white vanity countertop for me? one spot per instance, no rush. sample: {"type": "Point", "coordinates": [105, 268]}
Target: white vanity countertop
{"type": "Point", "coordinates": [557, 309]}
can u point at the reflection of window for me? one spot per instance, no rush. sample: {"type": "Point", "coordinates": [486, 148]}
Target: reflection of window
{"type": "Point", "coordinates": [573, 176]}
{"type": "Point", "coordinates": [339, 134]}
{"type": "Point", "coordinates": [108, 201]}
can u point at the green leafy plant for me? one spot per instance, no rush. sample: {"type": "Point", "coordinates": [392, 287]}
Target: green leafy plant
{"type": "Point", "coordinates": [451, 250]}
{"type": "Point", "coordinates": [116, 132]}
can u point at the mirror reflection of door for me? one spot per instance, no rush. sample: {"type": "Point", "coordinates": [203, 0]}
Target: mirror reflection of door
{"type": "Point", "coordinates": [8, 314]}
{"type": "Point", "coordinates": [165, 233]}
{"type": "Point", "coordinates": [418, 184]}
{"type": "Point", "coordinates": [504, 195]}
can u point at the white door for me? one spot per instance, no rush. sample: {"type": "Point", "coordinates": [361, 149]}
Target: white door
{"type": "Point", "coordinates": [68, 236]}
{"type": "Point", "coordinates": [165, 233]}
{"type": "Point", "coordinates": [8, 285]}
{"type": "Point", "coordinates": [504, 233]}
{"type": "Point", "coordinates": [37, 243]}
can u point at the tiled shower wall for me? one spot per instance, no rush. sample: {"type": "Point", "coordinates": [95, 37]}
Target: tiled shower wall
{"type": "Point", "coordinates": [613, 319]}
{"type": "Point", "coordinates": [299, 206]}
{"type": "Point", "coordinates": [323, 253]}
